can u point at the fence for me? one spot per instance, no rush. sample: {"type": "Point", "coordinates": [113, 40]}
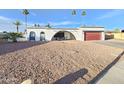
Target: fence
{"type": "Point", "coordinates": [119, 35]}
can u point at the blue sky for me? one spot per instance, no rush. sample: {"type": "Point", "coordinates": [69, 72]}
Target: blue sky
{"type": "Point", "coordinates": [110, 19]}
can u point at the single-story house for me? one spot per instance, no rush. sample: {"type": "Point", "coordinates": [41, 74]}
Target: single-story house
{"type": "Point", "coordinates": [84, 33]}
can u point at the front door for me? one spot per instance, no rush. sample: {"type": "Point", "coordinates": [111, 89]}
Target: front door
{"type": "Point", "coordinates": [32, 35]}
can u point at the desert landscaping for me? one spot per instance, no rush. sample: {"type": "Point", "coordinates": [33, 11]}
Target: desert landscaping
{"type": "Point", "coordinates": [54, 62]}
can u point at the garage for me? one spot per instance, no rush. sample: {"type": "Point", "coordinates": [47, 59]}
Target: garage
{"type": "Point", "coordinates": [92, 35]}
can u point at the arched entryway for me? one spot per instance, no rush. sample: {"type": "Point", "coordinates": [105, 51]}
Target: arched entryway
{"type": "Point", "coordinates": [42, 36]}
{"type": "Point", "coordinates": [32, 35]}
{"type": "Point", "coordinates": [63, 35]}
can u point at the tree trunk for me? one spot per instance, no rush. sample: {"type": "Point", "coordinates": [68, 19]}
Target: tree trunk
{"type": "Point", "coordinates": [17, 29]}
{"type": "Point", "coordinates": [14, 40]}
{"type": "Point", "coordinates": [26, 22]}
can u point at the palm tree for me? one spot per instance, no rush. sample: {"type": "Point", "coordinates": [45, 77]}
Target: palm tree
{"type": "Point", "coordinates": [83, 13]}
{"type": "Point", "coordinates": [25, 12]}
{"type": "Point", "coordinates": [74, 12]}
{"type": "Point", "coordinates": [17, 23]}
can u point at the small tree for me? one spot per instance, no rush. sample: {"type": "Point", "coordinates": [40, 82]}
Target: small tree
{"type": "Point", "coordinates": [48, 25]}
{"type": "Point", "coordinates": [17, 23]}
{"type": "Point", "coordinates": [117, 30]}
{"type": "Point", "coordinates": [38, 25]}
{"type": "Point", "coordinates": [4, 31]}
{"type": "Point", "coordinates": [13, 36]}
{"type": "Point", "coordinates": [35, 25]}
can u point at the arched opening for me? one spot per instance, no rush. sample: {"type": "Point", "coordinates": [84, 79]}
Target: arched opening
{"type": "Point", "coordinates": [32, 35]}
{"type": "Point", "coordinates": [42, 36]}
{"type": "Point", "coordinates": [63, 35]}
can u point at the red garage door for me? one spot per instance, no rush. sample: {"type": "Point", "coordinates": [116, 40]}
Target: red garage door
{"type": "Point", "coordinates": [92, 35]}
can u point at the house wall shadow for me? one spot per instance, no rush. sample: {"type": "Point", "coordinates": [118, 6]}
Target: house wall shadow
{"type": "Point", "coordinates": [104, 71]}
{"type": "Point", "coordinates": [11, 47]}
{"type": "Point", "coordinates": [70, 78]}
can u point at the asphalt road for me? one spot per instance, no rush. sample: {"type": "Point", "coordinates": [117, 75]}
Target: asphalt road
{"type": "Point", "coordinates": [113, 43]}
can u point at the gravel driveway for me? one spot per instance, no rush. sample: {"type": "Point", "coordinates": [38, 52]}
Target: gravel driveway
{"type": "Point", "coordinates": [55, 62]}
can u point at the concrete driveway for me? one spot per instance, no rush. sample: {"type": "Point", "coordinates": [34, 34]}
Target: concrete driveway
{"type": "Point", "coordinates": [115, 75]}
{"type": "Point", "coordinates": [113, 43]}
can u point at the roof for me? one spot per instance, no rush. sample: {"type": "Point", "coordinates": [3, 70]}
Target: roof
{"type": "Point", "coordinates": [64, 28]}
{"type": "Point", "coordinates": [91, 27]}
{"type": "Point", "coordinates": [52, 28]}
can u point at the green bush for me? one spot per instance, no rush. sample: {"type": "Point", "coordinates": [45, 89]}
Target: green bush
{"type": "Point", "coordinates": [13, 36]}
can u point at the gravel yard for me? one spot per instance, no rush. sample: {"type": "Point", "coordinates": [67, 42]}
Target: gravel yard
{"type": "Point", "coordinates": [54, 62]}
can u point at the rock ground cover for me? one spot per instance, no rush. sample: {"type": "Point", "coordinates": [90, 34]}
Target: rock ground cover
{"type": "Point", "coordinates": [54, 61]}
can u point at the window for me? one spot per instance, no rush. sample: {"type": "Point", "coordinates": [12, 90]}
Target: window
{"type": "Point", "coordinates": [42, 36]}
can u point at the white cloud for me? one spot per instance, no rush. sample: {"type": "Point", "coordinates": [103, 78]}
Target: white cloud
{"type": "Point", "coordinates": [34, 14]}
{"type": "Point", "coordinates": [6, 24]}
{"type": "Point", "coordinates": [4, 18]}
{"type": "Point", "coordinates": [63, 23]}
{"type": "Point", "coordinates": [111, 14]}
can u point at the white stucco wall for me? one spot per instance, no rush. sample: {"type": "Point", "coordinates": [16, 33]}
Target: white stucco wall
{"type": "Point", "coordinates": [103, 36]}
{"type": "Point", "coordinates": [92, 29]}
{"type": "Point", "coordinates": [50, 32]}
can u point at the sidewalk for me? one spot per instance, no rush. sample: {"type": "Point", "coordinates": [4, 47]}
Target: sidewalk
{"type": "Point", "coordinates": [115, 75]}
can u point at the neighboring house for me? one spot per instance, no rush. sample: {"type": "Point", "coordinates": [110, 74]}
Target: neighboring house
{"type": "Point", "coordinates": [47, 34]}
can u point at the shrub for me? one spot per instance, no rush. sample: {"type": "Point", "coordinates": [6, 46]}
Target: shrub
{"type": "Point", "coordinates": [13, 36]}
